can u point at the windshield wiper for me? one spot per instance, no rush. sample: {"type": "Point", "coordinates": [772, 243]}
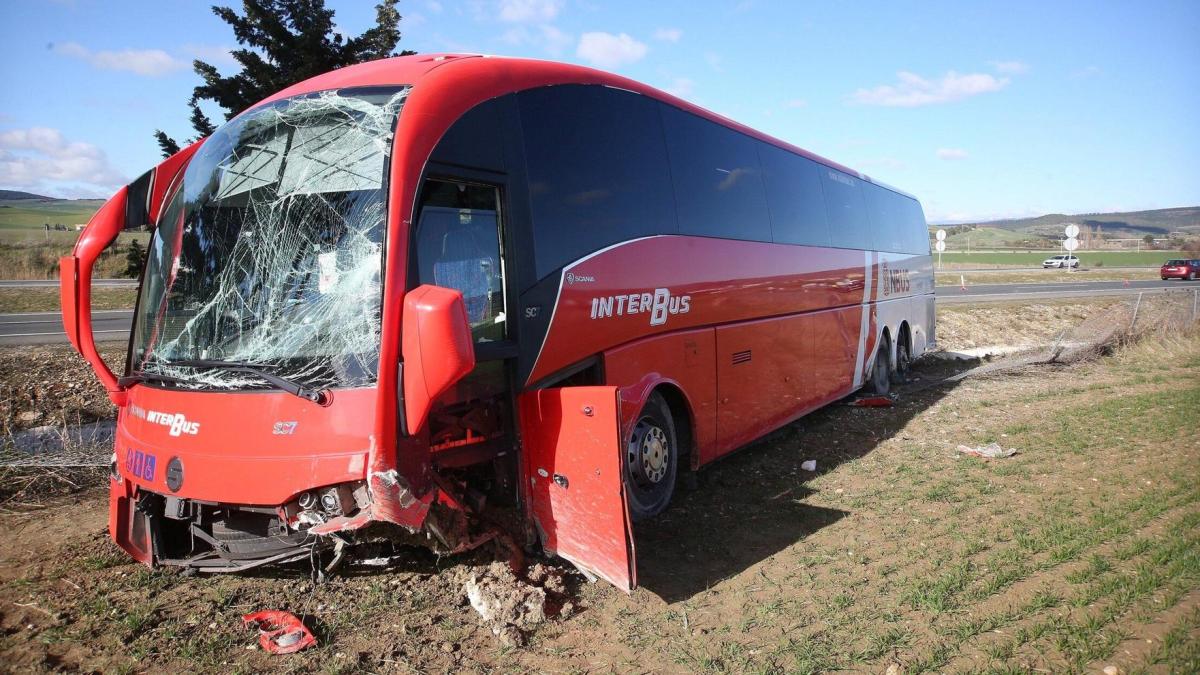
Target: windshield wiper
{"type": "Point", "coordinates": [149, 377]}
{"type": "Point", "coordinates": [318, 396]}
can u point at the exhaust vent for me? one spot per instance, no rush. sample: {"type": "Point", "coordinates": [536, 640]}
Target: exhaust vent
{"type": "Point", "coordinates": [741, 357]}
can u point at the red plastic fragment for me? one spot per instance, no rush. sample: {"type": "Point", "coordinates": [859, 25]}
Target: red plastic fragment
{"type": "Point", "coordinates": [874, 402]}
{"type": "Point", "coordinates": [280, 632]}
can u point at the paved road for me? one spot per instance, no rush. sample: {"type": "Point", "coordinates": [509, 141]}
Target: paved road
{"type": "Point", "coordinates": [39, 328]}
{"type": "Point", "coordinates": [46, 327]}
{"type": "Point", "coordinates": [53, 283]}
{"type": "Point", "coordinates": [1047, 291]}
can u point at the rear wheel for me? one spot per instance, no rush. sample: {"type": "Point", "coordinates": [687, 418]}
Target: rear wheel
{"type": "Point", "coordinates": [903, 359]}
{"type": "Point", "coordinates": [881, 382]}
{"type": "Point", "coordinates": [651, 460]}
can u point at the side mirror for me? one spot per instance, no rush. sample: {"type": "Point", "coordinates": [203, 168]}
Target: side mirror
{"type": "Point", "coordinates": [437, 348]}
{"type": "Point", "coordinates": [75, 279]}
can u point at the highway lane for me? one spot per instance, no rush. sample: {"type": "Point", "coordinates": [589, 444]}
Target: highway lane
{"type": "Point", "coordinates": [46, 327]}
{"type": "Point", "coordinates": [53, 283]}
{"type": "Point", "coordinates": [36, 328]}
{"type": "Point", "coordinates": [1056, 291]}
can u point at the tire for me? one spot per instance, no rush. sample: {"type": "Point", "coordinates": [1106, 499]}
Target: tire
{"type": "Point", "coordinates": [903, 360]}
{"type": "Point", "coordinates": [651, 460]}
{"type": "Point", "coordinates": [880, 382]}
{"type": "Point", "coordinates": [1191, 276]}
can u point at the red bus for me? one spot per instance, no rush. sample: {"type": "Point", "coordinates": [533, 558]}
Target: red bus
{"type": "Point", "coordinates": [427, 290]}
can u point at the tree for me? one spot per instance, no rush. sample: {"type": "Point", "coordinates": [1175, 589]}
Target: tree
{"type": "Point", "coordinates": [165, 143]}
{"type": "Point", "coordinates": [135, 257]}
{"type": "Point", "coordinates": [284, 42]}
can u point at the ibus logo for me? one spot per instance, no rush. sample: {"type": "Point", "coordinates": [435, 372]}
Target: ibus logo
{"type": "Point", "coordinates": [176, 423]}
{"type": "Point", "coordinates": [895, 281]}
{"type": "Point", "coordinates": [659, 304]}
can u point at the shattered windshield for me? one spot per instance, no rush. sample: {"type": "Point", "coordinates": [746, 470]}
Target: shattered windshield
{"type": "Point", "coordinates": [271, 252]}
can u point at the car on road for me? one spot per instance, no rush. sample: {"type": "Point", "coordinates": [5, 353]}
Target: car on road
{"type": "Point", "coordinates": [1180, 268]}
{"type": "Point", "coordinates": [1060, 261]}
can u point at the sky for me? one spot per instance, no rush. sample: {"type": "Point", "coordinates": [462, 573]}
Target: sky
{"type": "Point", "coordinates": [981, 109]}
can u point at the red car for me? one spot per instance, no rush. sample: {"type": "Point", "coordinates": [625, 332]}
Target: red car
{"type": "Point", "coordinates": [1180, 269]}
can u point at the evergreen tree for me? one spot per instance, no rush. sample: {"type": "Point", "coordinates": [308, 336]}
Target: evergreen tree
{"type": "Point", "coordinates": [135, 257]}
{"type": "Point", "coordinates": [165, 143]}
{"type": "Point", "coordinates": [286, 41]}
{"type": "Point", "coordinates": [283, 42]}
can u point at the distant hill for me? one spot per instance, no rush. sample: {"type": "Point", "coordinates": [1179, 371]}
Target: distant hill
{"type": "Point", "coordinates": [17, 194]}
{"type": "Point", "coordinates": [1158, 222]}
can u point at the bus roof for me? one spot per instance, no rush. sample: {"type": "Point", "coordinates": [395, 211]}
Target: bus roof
{"type": "Point", "coordinates": [483, 77]}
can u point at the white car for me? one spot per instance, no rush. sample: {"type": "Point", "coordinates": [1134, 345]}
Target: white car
{"type": "Point", "coordinates": [1061, 261]}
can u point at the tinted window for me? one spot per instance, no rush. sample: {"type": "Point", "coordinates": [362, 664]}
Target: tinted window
{"type": "Point", "coordinates": [598, 171]}
{"type": "Point", "coordinates": [917, 229]}
{"type": "Point", "coordinates": [794, 197]}
{"type": "Point", "coordinates": [474, 140]}
{"type": "Point", "coordinates": [718, 181]}
{"type": "Point", "coordinates": [849, 225]}
{"type": "Point", "coordinates": [890, 222]}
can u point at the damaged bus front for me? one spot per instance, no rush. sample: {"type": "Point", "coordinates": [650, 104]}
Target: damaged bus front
{"type": "Point", "coordinates": [248, 408]}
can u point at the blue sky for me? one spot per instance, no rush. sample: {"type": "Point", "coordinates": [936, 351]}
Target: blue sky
{"type": "Point", "coordinates": [980, 109]}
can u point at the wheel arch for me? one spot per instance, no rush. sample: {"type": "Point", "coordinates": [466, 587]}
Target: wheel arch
{"type": "Point", "coordinates": [680, 406]}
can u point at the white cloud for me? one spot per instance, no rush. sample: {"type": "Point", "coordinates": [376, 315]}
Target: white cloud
{"type": "Point", "coordinates": [434, 6]}
{"type": "Point", "coordinates": [40, 156]}
{"type": "Point", "coordinates": [146, 62]}
{"type": "Point", "coordinates": [1009, 67]}
{"type": "Point", "coordinates": [525, 11]}
{"type": "Point", "coordinates": [606, 50]}
{"type": "Point", "coordinates": [217, 55]}
{"type": "Point", "coordinates": [913, 90]}
{"type": "Point", "coordinates": [668, 34]}
{"type": "Point", "coordinates": [681, 87]}
{"type": "Point", "coordinates": [554, 40]}
{"type": "Point", "coordinates": [795, 103]}
{"type": "Point", "coordinates": [951, 153]}
{"type": "Point", "coordinates": [1087, 71]}
{"type": "Point", "coordinates": [549, 38]}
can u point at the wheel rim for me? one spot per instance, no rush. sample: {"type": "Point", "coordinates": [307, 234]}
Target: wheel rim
{"type": "Point", "coordinates": [648, 456]}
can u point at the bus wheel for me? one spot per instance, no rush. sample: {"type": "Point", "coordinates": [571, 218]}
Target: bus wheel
{"type": "Point", "coordinates": [903, 359]}
{"type": "Point", "coordinates": [881, 376]}
{"type": "Point", "coordinates": [651, 458]}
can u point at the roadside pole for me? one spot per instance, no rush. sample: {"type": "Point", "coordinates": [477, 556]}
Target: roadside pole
{"type": "Point", "coordinates": [940, 246]}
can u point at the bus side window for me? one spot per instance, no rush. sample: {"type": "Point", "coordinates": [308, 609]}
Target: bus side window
{"type": "Point", "coordinates": [794, 197]}
{"type": "Point", "coordinates": [849, 225]}
{"type": "Point", "coordinates": [717, 178]}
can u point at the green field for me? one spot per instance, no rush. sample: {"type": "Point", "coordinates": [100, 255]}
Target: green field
{"type": "Point", "coordinates": [1035, 258]}
{"type": "Point", "coordinates": [33, 215]}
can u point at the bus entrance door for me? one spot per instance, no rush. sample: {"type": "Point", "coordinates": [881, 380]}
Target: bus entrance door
{"type": "Point", "coordinates": [574, 492]}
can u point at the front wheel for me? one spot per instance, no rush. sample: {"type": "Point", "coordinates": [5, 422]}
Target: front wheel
{"type": "Point", "coordinates": [651, 460]}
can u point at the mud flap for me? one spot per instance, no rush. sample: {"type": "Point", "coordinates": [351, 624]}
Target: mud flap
{"type": "Point", "coordinates": [128, 527]}
{"type": "Point", "coordinates": [575, 491]}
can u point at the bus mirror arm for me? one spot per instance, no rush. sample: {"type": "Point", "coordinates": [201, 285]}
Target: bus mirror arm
{"type": "Point", "coordinates": [437, 348]}
{"type": "Point", "coordinates": [75, 280]}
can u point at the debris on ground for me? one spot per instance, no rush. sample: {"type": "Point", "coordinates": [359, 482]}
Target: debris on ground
{"type": "Point", "coordinates": [509, 606]}
{"type": "Point", "coordinates": [873, 402]}
{"type": "Point", "coordinates": [809, 465]}
{"type": "Point", "coordinates": [280, 632]}
{"type": "Point", "coordinates": [989, 451]}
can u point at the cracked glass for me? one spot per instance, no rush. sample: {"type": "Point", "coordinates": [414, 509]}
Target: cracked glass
{"type": "Point", "coordinates": [270, 254]}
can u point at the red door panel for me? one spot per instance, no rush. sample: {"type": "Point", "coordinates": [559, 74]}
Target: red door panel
{"type": "Point", "coordinates": [576, 494]}
{"type": "Point", "coordinates": [760, 377]}
{"type": "Point", "coordinates": [834, 344]}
